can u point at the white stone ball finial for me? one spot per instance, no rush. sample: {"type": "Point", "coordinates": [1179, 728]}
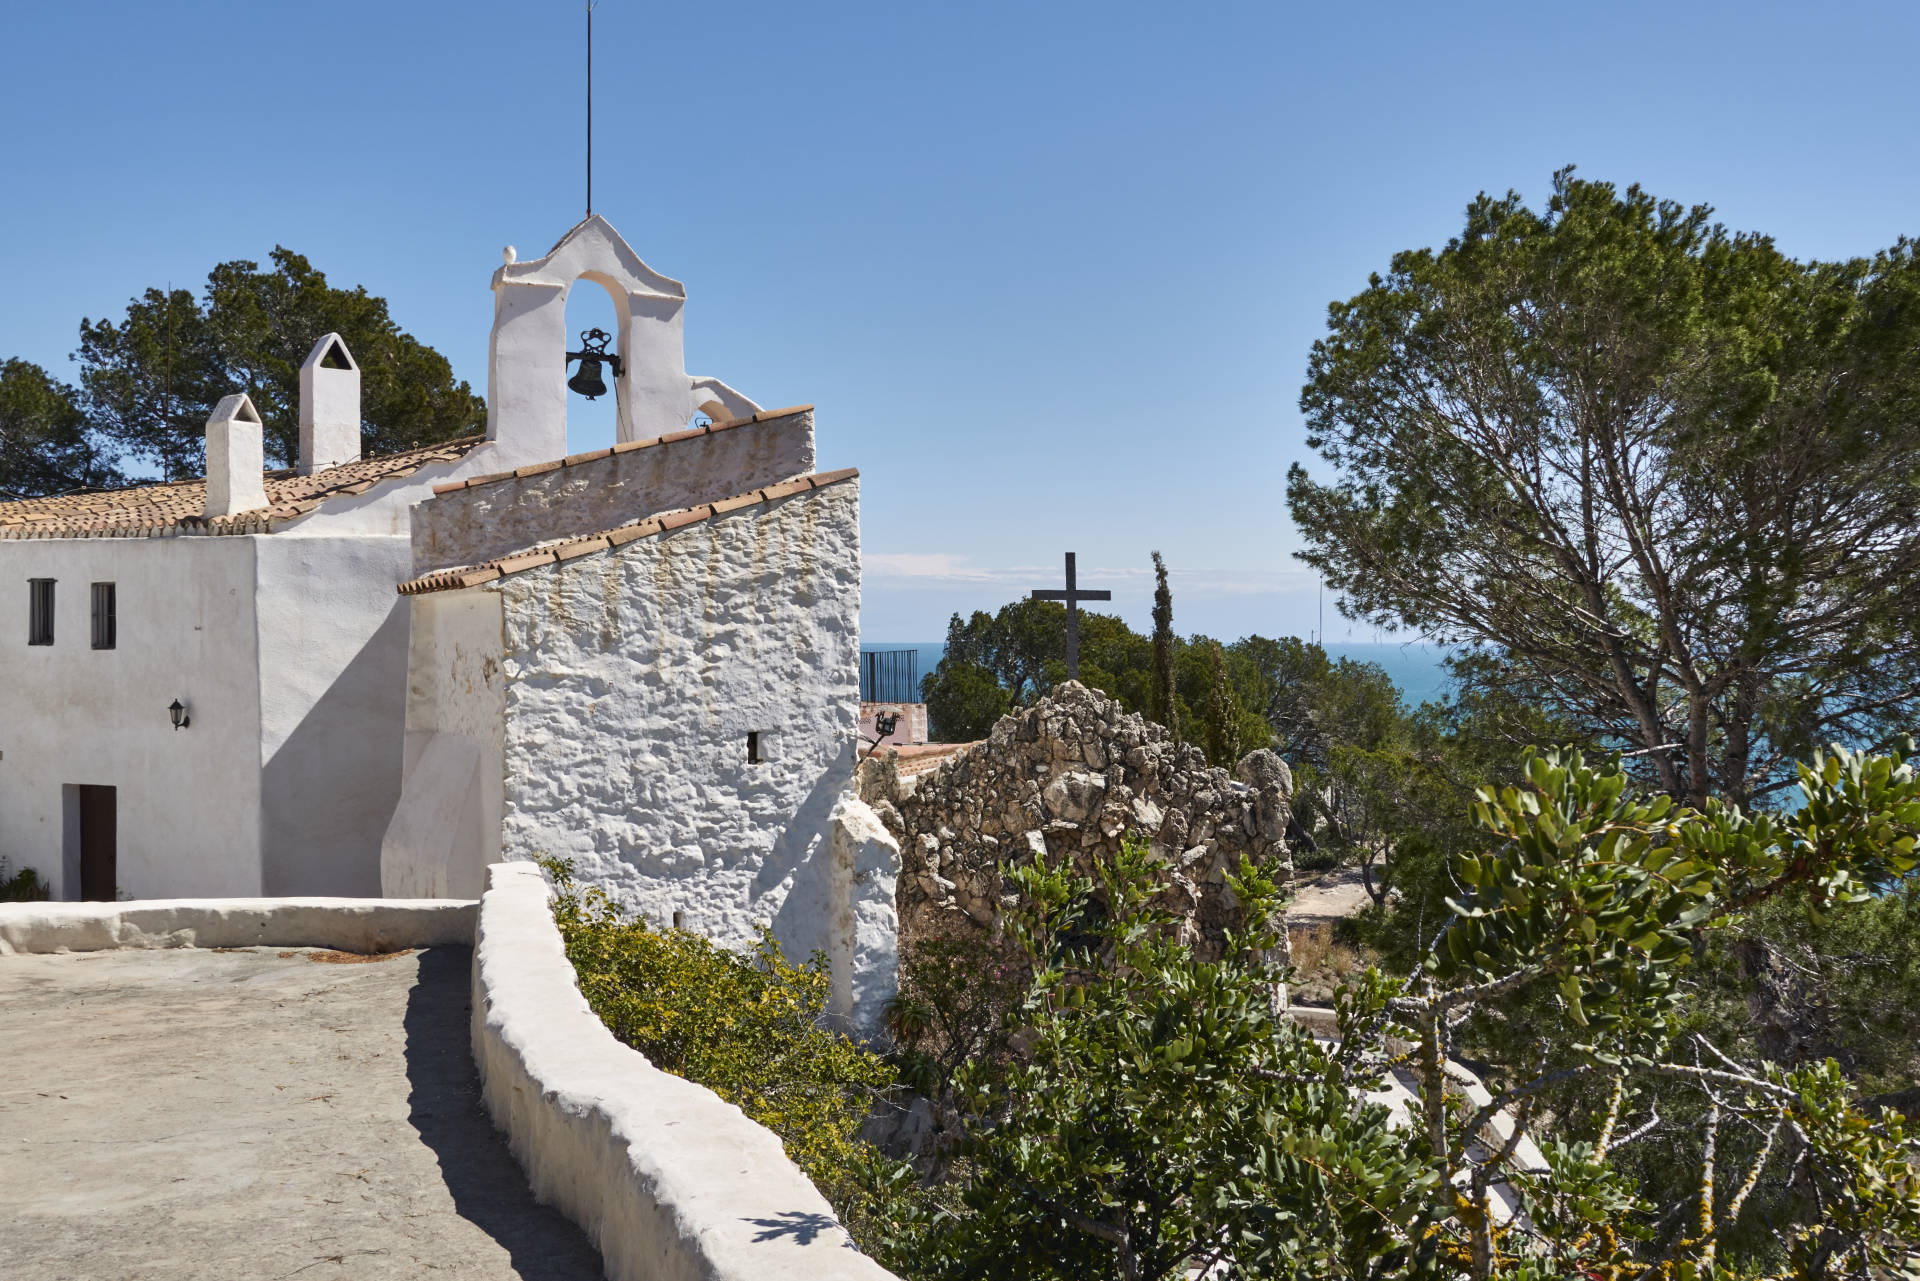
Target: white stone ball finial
{"type": "Point", "coordinates": [508, 256]}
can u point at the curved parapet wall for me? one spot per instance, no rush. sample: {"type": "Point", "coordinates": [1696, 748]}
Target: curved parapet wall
{"type": "Point", "coordinates": [348, 924]}
{"type": "Point", "coordinates": [671, 1182]}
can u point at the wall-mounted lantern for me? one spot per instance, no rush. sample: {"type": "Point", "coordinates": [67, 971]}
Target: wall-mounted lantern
{"type": "Point", "coordinates": [178, 714]}
{"type": "Point", "coordinates": [884, 723]}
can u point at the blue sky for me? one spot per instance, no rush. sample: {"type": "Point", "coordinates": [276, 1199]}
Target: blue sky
{"type": "Point", "coordinates": [1049, 271]}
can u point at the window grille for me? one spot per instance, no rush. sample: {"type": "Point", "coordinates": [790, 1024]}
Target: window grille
{"type": "Point", "coordinates": [104, 628]}
{"type": "Point", "coordinates": [40, 611]}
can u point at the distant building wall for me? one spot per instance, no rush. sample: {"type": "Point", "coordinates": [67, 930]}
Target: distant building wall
{"type": "Point", "coordinates": [588, 492]}
{"type": "Point", "coordinates": [911, 729]}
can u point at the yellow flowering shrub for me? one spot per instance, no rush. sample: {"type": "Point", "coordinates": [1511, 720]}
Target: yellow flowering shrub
{"type": "Point", "coordinates": [748, 1027]}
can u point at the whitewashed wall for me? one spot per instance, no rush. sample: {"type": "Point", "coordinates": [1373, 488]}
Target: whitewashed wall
{"type": "Point", "coordinates": [188, 800]}
{"type": "Point", "coordinates": [446, 829]}
{"type": "Point", "coordinates": [634, 678]}
{"type": "Point", "coordinates": [611, 487]}
{"type": "Point", "coordinates": [333, 663]}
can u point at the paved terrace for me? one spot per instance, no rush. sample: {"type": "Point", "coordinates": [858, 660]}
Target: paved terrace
{"type": "Point", "coordinates": [256, 1115]}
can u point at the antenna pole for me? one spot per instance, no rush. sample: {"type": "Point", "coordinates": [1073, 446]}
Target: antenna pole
{"type": "Point", "coordinates": [590, 4]}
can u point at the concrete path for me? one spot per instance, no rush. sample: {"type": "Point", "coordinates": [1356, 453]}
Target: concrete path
{"type": "Point", "coordinates": [1339, 893]}
{"type": "Point", "coordinates": [255, 1115]}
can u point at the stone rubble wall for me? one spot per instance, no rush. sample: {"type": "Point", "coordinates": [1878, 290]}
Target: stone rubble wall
{"type": "Point", "coordinates": [1073, 775]}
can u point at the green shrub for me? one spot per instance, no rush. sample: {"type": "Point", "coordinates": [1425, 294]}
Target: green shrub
{"type": "Point", "coordinates": [745, 1026]}
{"type": "Point", "coordinates": [24, 886]}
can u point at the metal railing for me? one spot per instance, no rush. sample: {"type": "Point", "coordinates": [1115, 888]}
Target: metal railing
{"type": "Point", "coordinates": [890, 676]}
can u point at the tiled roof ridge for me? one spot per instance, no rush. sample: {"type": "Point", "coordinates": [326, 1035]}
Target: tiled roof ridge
{"type": "Point", "coordinates": [155, 510]}
{"type": "Point", "coordinates": [626, 447]}
{"type": "Point", "coordinates": [619, 536]}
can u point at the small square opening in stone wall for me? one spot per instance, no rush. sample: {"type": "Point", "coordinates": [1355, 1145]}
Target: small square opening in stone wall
{"type": "Point", "coordinates": [753, 747]}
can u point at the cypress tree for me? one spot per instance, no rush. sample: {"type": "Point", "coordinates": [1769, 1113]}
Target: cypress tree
{"type": "Point", "coordinates": [1163, 710]}
{"type": "Point", "coordinates": [1223, 714]}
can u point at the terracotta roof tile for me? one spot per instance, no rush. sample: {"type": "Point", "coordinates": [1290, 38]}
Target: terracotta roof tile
{"type": "Point", "coordinates": [178, 507]}
{"type": "Point", "coordinates": [569, 551]}
{"type": "Point", "coordinates": [786, 489]}
{"type": "Point", "coordinates": [606, 540]}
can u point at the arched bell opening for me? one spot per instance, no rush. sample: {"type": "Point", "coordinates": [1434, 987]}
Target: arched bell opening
{"type": "Point", "coordinates": [596, 364]}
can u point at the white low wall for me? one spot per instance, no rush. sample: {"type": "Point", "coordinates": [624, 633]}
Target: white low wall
{"type": "Point", "coordinates": [347, 924]}
{"type": "Point", "coordinates": [671, 1182]}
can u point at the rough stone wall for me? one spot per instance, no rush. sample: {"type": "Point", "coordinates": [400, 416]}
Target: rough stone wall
{"type": "Point", "coordinates": [611, 487]}
{"type": "Point", "coordinates": [634, 678]}
{"type": "Point", "coordinates": [1073, 775]}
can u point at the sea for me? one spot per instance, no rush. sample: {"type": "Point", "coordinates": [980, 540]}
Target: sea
{"type": "Point", "coordinates": [1418, 671]}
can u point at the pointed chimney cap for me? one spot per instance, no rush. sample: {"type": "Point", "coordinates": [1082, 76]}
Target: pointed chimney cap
{"type": "Point", "coordinates": [235, 408]}
{"type": "Point", "coordinates": [330, 352]}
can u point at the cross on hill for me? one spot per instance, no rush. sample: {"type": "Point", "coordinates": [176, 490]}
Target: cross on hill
{"type": "Point", "coordinates": [1072, 596]}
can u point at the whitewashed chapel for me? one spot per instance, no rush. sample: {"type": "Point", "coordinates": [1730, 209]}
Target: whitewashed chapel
{"type": "Point", "coordinates": [379, 675]}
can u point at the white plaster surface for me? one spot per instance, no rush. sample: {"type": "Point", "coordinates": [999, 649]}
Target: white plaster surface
{"type": "Point", "coordinates": [633, 679]}
{"type": "Point", "coordinates": [289, 650]}
{"type": "Point", "coordinates": [235, 458]}
{"type": "Point", "coordinates": [332, 641]}
{"type": "Point", "coordinates": [189, 800]}
{"type": "Point", "coordinates": [446, 829]}
{"type": "Point", "coordinates": [526, 363]}
{"type": "Point", "coordinates": [349, 925]}
{"type": "Point", "coordinates": [329, 407]}
{"type": "Point", "coordinates": [468, 526]}
{"type": "Point", "coordinates": [864, 944]}
{"type": "Point", "coordinates": [671, 1183]}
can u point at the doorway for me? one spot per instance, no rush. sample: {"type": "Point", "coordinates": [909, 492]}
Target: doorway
{"type": "Point", "coordinates": [99, 843]}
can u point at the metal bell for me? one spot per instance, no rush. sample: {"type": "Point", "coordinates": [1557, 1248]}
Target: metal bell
{"type": "Point", "coordinates": [592, 354]}
{"type": "Point", "coordinates": [588, 381]}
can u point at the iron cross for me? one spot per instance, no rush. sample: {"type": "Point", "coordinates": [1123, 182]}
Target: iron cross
{"type": "Point", "coordinates": [1072, 596]}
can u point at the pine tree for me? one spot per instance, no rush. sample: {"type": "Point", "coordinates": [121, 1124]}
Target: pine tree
{"type": "Point", "coordinates": [1163, 707]}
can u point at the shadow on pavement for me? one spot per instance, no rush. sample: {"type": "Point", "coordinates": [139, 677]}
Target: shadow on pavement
{"type": "Point", "coordinates": [488, 1186]}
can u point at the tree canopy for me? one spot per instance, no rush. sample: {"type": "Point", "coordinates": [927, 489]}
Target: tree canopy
{"type": "Point", "coordinates": [1010, 658]}
{"type": "Point", "coordinates": [150, 379]}
{"type": "Point", "coordinates": [46, 443]}
{"type": "Point", "coordinates": [1662, 475]}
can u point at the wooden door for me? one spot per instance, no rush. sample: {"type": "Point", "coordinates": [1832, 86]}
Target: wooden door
{"type": "Point", "coordinates": [99, 838]}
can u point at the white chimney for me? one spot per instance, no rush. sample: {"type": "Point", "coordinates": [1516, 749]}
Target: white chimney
{"type": "Point", "coordinates": [329, 407]}
{"type": "Point", "coordinates": [235, 458]}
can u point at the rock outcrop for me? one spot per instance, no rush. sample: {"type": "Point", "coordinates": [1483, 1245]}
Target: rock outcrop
{"type": "Point", "coordinates": [1074, 775]}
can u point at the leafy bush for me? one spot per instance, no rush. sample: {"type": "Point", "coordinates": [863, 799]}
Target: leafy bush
{"type": "Point", "coordinates": [24, 886]}
{"type": "Point", "coordinates": [1145, 1115]}
{"type": "Point", "coordinates": [1155, 1117]}
{"type": "Point", "coordinates": [746, 1027]}
{"type": "Point", "coordinates": [956, 991]}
